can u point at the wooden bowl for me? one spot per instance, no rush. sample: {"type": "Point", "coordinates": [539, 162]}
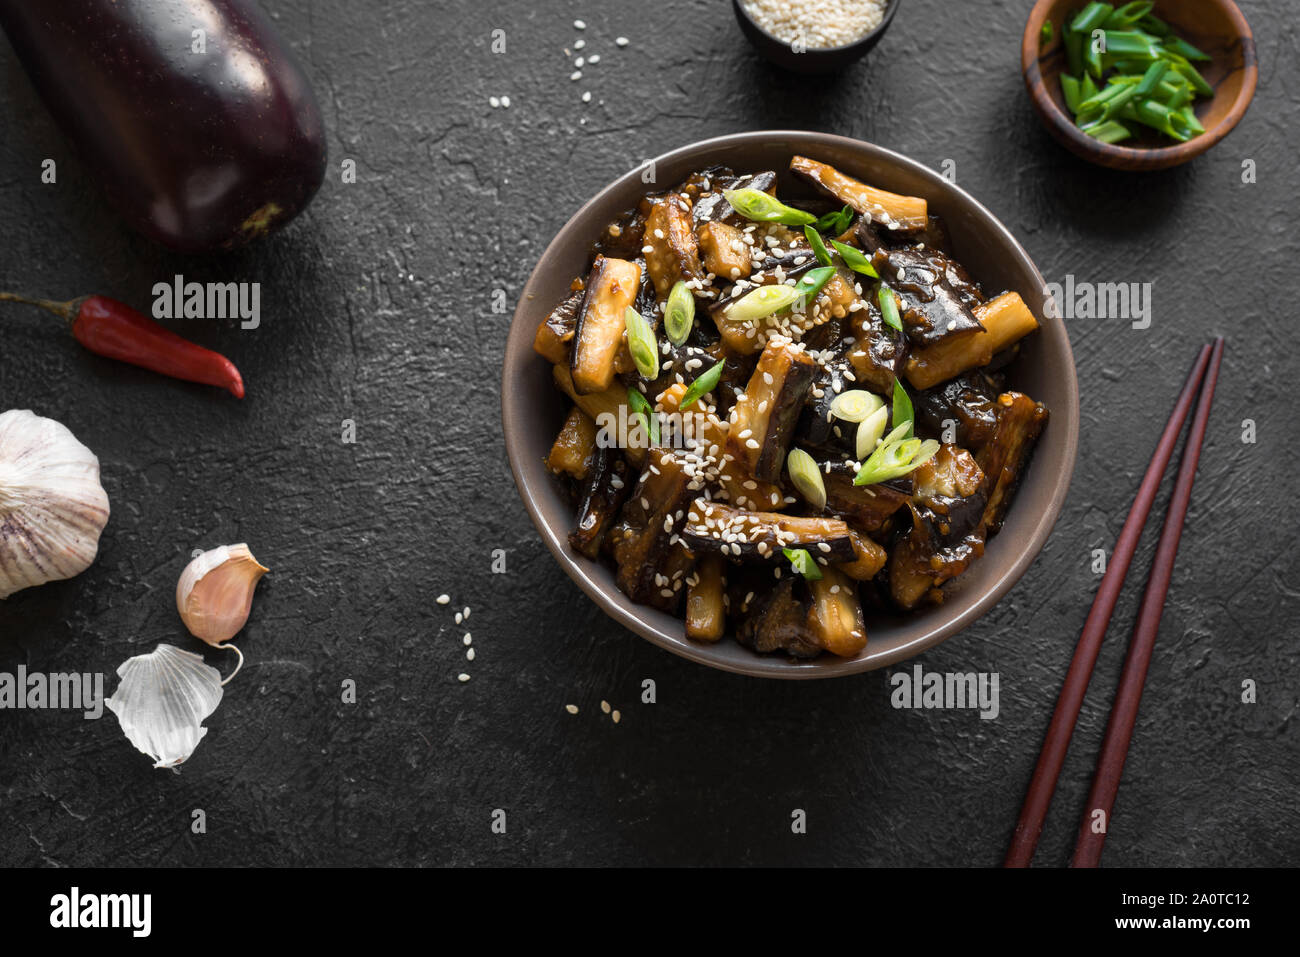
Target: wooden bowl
{"type": "Point", "coordinates": [532, 409]}
{"type": "Point", "coordinates": [1217, 27]}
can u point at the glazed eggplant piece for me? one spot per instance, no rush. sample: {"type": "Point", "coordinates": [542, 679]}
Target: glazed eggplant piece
{"type": "Point", "coordinates": [1003, 321]}
{"type": "Point", "coordinates": [574, 450]}
{"type": "Point", "coordinates": [817, 429]}
{"type": "Point", "coordinates": [555, 333]}
{"type": "Point", "coordinates": [880, 353]}
{"type": "Point", "coordinates": [895, 211]}
{"type": "Point", "coordinates": [871, 558]}
{"type": "Point", "coordinates": [1005, 458]}
{"type": "Point", "coordinates": [968, 405]}
{"type": "Point", "coordinates": [723, 250]}
{"type": "Point", "coordinates": [746, 535]}
{"type": "Point", "coordinates": [866, 507]}
{"type": "Point", "coordinates": [706, 615]}
{"type": "Point", "coordinates": [199, 151]}
{"type": "Point", "coordinates": [932, 307]}
{"type": "Point", "coordinates": [835, 620]}
{"type": "Point", "coordinates": [672, 252]}
{"type": "Point", "coordinates": [773, 618]}
{"type": "Point", "coordinates": [947, 531]}
{"type": "Point", "coordinates": [762, 423]}
{"type": "Point", "coordinates": [603, 492]}
{"type": "Point", "coordinates": [612, 287]}
{"type": "Point", "coordinates": [652, 562]}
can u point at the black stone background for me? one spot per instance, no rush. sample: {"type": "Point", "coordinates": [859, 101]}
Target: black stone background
{"type": "Point", "coordinates": [377, 306]}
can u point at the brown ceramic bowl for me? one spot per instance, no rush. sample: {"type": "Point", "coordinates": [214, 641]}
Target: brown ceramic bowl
{"type": "Point", "coordinates": [532, 409]}
{"type": "Point", "coordinates": [1216, 27]}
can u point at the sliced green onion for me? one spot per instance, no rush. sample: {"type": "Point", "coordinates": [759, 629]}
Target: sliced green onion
{"type": "Point", "coordinates": [765, 208]}
{"type": "Point", "coordinates": [1152, 77]}
{"type": "Point", "coordinates": [903, 414]}
{"type": "Point", "coordinates": [1074, 51]}
{"type": "Point", "coordinates": [854, 259]}
{"type": "Point", "coordinates": [1160, 117]}
{"type": "Point", "coordinates": [1182, 47]}
{"type": "Point", "coordinates": [1189, 118]}
{"type": "Point", "coordinates": [1189, 73]}
{"type": "Point", "coordinates": [1111, 131]}
{"type": "Point", "coordinates": [643, 410]}
{"type": "Point", "coordinates": [889, 307]}
{"type": "Point", "coordinates": [811, 283]}
{"type": "Point", "coordinates": [1127, 15]}
{"type": "Point", "coordinates": [870, 432]}
{"type": "Point", "coordinates": [855, 405]}
{"type": "Point", "coordinates": [818, 247]}
{"type": "Point", "coordinates": [705, 383]}
{"type": "Point", "coordinates": [1154, 25]}
{"type": "Point", "coordinates": [679, 313]}
{"type": "Point", "coordinates": [807, 477]}
{"type": "Point", "coordinates": [802, 562]}
{"type": "Point", "coordinates": [1105, 104]}
{"type": "Point", "coordinates": [1087, 87]}
{"type": "Point", "coordinates": [1070, 90]}
{"type": "Point", "coordinates": [641, 343]}
{"type": "Point", "coordinates": [895, 458]}
{"type": "Point", "coordinates": [762, 302]}
{"type": "Point", "coordinates": [835, 223]}
{"type": "Point", "coordinates": [1131, 43]}
{"type": "Point", "coordinates": [1091, 17]}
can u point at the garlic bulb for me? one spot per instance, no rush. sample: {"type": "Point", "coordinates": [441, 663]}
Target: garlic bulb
{"type": "Point", "coordinates": [52, 507]}
{"type": "Point", "coordinates": [215, 592]}
{"type": "Point", "coordinates": [162, 700]}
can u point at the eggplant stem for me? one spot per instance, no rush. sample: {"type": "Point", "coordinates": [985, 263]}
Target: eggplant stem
{"type": "Point", "coordinates": [68, 310]}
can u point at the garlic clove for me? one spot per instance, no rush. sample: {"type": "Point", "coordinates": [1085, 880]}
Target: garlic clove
{"type": "Point", "coordinates": [215, 592]}
{"type": "Point", "coordinates": [162, 700]}
{"type": "Point", "coordinates": [52, 507]}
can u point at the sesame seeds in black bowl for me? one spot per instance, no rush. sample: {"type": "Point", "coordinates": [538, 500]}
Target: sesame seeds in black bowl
{"type": "Point", "coordinates": [814, 36]}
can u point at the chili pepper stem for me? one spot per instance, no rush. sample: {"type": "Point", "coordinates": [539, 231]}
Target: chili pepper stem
{"type": "Point", "coordinates": [68, 310]}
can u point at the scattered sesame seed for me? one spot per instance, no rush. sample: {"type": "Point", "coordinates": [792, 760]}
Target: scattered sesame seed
{"type": "Point", "coordinates": [468, 639]}
{"type": "Point", "coordinates": [575, 75]}
{"type": "Point", "coordinates": [571, 708]}
{"type": "Point", "coordinates": [604, 706]}
{"type": "Point", "coordinates": [505, 102]}
{"type": "Point", "coordinates": [579, 25]}
{"type": "Point", "coordinates": [465, 613]}
{"type": "Point", "coordinates": [493, 102]}
{"type": "Point", "coordinates": [443, 599]}
{"type": "Point", "coordinates": [594, 58]}
{"type": "Point", "coordinates": [622, 41]}
{"type": "Point", "coordinates": [579, 44]}
{"type": "Point", "coordinates": [586, 97]}
{"type": "Point", "coordinates": [462, 677]}
{"type": "Point", "coordinates": [469, 654]}
{"type": "Point", "coordinates": [616, 716]}
{"type": "Point", "coordinates": [459, 618]}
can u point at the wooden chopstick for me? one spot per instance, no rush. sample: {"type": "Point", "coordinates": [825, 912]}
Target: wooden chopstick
{"type": "Point", "coordinates": [1057, 741]}
{"type": "Point", "coordinates": [1123, 713]}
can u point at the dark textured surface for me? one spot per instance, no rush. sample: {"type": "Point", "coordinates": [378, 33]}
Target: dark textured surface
{"type": "Point", "coordinates": [377, 306]}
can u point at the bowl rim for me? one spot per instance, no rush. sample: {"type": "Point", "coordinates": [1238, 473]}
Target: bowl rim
{"type": "Point", "coordinates": [891, 7]}
{"type": "Point", "coordinates": [519, 348]}
{"type": "Point", "coordinates": [1131, 157]}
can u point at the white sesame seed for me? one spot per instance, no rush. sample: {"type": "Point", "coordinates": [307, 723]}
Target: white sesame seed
{"type": "Point", "coordinates": [617, 717]}
{"type": "Point", "coordinates": [579, 25]}
{"type": "Point", "coordinates": [586, 98]}
{"type": "Point", "coordinates": [604, 706]}
{"type": "Point", "coordinates": [443, 599]}
{"type": "Point", "coordinates": [493, 102]}
{"type": "Point", "coordinates": [622, 41]}
{"type": "Point", "coordinates": [468, 639]}
{"type": "Point", "coordinates": [571, 708]}
{"type": "Point", "coordinates": [462, 677]}
{"type": "Point", "coordinates": [505, 102]}
{"type": "Point", "coordinates": [469, 654]}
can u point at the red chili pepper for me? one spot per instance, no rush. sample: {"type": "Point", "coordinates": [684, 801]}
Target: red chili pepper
{"type": "Point", "coordinates": [113, 329]}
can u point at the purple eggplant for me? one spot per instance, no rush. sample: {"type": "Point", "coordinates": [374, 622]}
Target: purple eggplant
{"type": "Point", "coordinates": [192, 115]}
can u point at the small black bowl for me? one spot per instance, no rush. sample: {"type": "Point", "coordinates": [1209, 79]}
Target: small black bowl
{"type": "Point", "coordinates": [811, 60]}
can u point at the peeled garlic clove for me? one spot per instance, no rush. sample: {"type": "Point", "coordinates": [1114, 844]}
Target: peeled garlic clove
{"type": "Point", "coordinates": [162, 700]}
{"type": "Point", "coordinates": [215, 592]}
{"type": "Point", "coordinates": [52, 507]}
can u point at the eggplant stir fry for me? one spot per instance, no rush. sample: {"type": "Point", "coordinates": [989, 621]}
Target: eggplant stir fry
{"type": "Point", "coordinates": [785, 419]}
